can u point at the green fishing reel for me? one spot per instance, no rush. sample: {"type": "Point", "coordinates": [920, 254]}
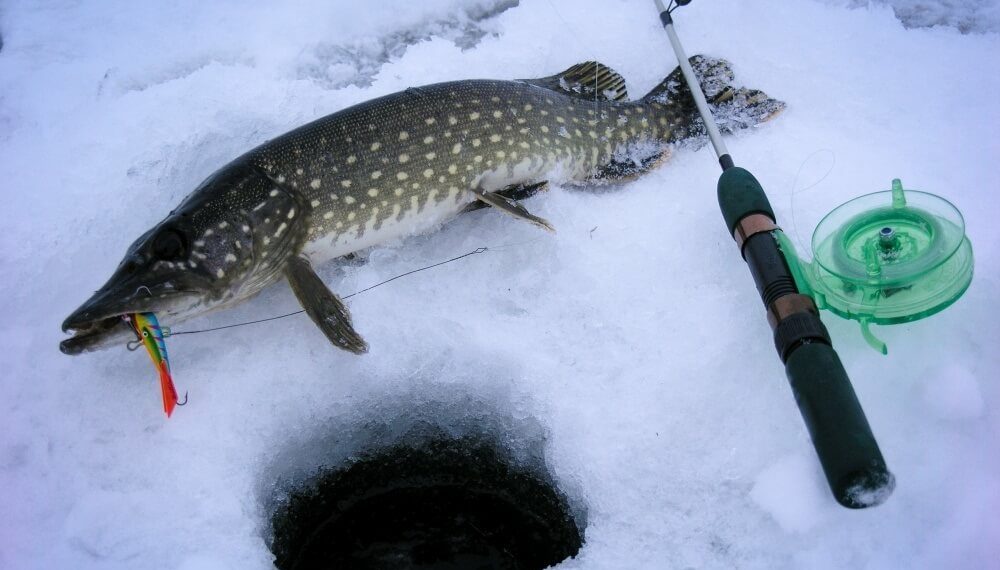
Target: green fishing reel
{"type": "Point", "coordinates": [885, 258]}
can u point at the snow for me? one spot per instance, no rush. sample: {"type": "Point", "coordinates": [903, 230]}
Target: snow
{"type": "Point", "coordinates": [793, 492]}
{"type": "Point", "coordinates": [952, 393]}
{"type": "Point", "coordinates": [968, 16]}
{"type": "Point", "coordinates": [629, 347]}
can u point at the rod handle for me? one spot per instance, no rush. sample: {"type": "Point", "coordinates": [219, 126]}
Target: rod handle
{"type": "Point", "coordinates": [847, 450]}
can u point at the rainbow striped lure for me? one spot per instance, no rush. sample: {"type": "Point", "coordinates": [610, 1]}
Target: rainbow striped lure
{"type": "Point", "coordinates": [150, 334]}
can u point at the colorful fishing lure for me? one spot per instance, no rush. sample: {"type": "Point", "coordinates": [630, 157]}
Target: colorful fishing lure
{"type": "Point", "coordinates": [150, 334]}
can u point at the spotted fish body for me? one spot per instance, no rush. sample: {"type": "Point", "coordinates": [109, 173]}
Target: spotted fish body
{"type": "Point", "coordinates": [405, 162]}
{"type": "Point", "coordinates": [394, 166]}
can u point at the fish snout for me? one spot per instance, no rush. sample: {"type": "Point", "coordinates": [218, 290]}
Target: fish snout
{"type": "Point", "coordinates": [76, 320]}
{"type": "Point", "coordinates": [95, 335]}
{"type": "Point", "coordinates": [100, 306]}
{"type": "Point", "coordinates": [97, 323]}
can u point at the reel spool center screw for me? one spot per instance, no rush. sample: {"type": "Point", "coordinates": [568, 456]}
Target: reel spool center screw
{"type": "Point", "coordinates": [887, 239]}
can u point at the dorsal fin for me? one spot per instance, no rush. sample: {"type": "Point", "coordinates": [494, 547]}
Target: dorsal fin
{"type": "Point", "coordinates": [589, 80]}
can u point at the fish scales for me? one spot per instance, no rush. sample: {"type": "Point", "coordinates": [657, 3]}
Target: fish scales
{"type": "Point", "coordinates": [401, 163]}
{"type": "Point", "coordinates": [389, 167]}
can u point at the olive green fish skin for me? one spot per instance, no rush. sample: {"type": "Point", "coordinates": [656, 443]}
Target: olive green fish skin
{"type": "Point", "coordinates": [409, 159]}
{"type": "Point", "coordinates": [389, 167]}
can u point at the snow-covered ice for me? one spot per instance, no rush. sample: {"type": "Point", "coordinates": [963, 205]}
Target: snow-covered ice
{"type": "Point", "coordinates": [793, 491]}
{"type": "Point", "coordinates": [630, 345]}
{"type": "Point", "coordinates": [968, 16]}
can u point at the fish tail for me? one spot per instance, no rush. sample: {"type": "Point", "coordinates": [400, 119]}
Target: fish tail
{"type": "Point", "coordinates": [167, 388]}
{"type": "Point", "coordinates": [734, 107]}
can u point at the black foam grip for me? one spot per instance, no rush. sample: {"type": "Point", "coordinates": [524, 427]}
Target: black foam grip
{"type": "Point", "coordinates": [847, 450]}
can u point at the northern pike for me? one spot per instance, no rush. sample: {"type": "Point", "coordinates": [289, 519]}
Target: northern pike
{"type": "Point", "coordinates": [393, 166]}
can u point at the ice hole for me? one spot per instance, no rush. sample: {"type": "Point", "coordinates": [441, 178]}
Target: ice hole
{"type": "Point", "coordinates": [437, 486]}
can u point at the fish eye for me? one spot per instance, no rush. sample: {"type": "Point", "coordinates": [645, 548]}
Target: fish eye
{"type": "Point", "coordinates": [145, 334]}
{"type": "Point", "coordinates": [169, 245]}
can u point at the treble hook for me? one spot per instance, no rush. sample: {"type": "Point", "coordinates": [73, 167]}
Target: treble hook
{"type": "Point", "coordinates": [133, 345]}
{"type": "Point", "coordinates": [185, 399]}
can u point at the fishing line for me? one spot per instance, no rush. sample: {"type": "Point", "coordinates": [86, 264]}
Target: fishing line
{"type": "Point", "coordinates": [575, 36]}
{"type": "Point", "coordinates": [473, 252]}
{"type": "Point", "coordinates": [476, 251]}
{"type": "Point", "coordinates": [795, 181]}
{"type": "Point", "coordinates": [517, 244]}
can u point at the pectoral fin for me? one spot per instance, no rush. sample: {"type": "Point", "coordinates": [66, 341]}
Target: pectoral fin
{"type": "Point", "coordinates": [323, 306]}
{"type": "Point", "coordinates": [508, 206]}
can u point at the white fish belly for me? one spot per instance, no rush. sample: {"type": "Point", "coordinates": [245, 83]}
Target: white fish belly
{"type": "Point", "coordinates": [413, 221]}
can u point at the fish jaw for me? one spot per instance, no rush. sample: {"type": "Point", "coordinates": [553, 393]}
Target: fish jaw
{"type": "Point", "coordinates": [99, 335]}
{"type": "Point", "coordinates": [99, 323]}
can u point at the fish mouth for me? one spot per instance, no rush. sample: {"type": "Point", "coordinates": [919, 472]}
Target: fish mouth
{"type": "Point", "coordinates": [99, 322]}
{"type": "Point", "coordinates": [95, 335]}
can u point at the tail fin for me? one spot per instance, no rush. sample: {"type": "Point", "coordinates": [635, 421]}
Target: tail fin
{"type": "Point", "coordinates": [733, 107]}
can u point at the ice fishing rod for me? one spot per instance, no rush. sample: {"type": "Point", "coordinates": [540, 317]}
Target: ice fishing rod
{"type": "Point", "coordinates": [844, 443]}
{"type": "Point", "coordinates": [884, 258]}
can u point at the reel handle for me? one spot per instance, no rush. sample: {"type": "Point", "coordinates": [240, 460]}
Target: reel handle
{"type": "Point", "coordinates": [852, 462]}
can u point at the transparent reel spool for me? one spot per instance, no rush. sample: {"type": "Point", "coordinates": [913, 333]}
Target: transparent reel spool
{"type": "Point", "coordinates": [889, 257]}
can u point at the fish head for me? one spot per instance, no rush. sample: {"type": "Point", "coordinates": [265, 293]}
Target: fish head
{"type": "Point", "coordinates": [224, 243]}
